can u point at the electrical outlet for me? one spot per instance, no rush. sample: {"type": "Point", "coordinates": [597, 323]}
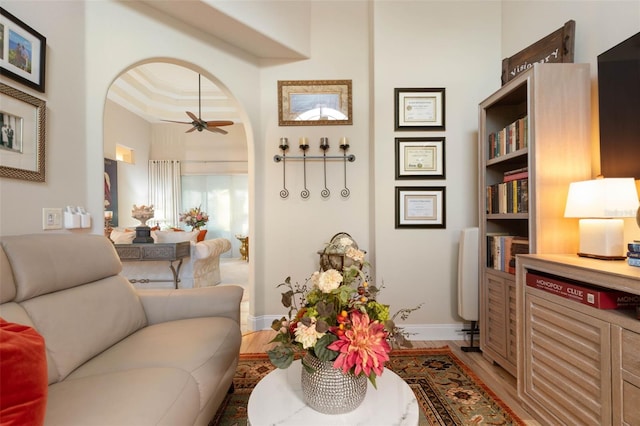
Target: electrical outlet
{"type": "Point", "coordinates": [51, 218]}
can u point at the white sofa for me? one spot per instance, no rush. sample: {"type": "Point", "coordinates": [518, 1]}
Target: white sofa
{"type": "Point", "coordinates": [201, 269]}
{"type": "Point", "coordinates": [116, 355]}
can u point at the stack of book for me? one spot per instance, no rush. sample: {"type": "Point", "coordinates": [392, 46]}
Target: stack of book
{"type": "Point", "coordinates": [502, 251]}
{"type": "Point", "coordinates": [633, 255]}
{"type": "Point", "coordinates": [511, 195]}
{"type": "Point", "coordinates": [510, 139]}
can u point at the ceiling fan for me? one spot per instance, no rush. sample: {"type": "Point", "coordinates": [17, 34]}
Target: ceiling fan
{"type": "Point", "coordinates": [198, 123]}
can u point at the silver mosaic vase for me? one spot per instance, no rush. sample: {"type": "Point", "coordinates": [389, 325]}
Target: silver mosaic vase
{"type": "Point", "coordinates": [328, 390]}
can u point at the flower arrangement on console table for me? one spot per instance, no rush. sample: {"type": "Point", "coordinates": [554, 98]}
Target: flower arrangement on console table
{"type": "Point", "coordinates": [195, 218]}
{"type": "Point", "coordinates": [338, 328]}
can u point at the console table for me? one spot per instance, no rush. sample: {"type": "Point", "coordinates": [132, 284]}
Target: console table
{"type": "Point", "coordinates": [577, 364]}
{"type": "Point", "coordinates": [171, 252]}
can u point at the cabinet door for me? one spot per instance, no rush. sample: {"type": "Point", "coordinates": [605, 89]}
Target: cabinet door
{"type": "Point", "coordinates": [626, 377]}
{"type": "Point", "coordinates": [495, 335]}
{"type": "Point", "coordinates": [567, 363]}
{"type": "Point", "coordinates": [498, 320]}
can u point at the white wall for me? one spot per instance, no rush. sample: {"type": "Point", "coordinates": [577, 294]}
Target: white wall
{"type": "Point", "coordinates": [289, 232]}
{"type": "Point", "coordinates": [454, 45]}
{"type": "Point", "coordinates": [121, 127]}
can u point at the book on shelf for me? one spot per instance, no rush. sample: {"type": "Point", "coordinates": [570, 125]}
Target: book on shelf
{"type": "Point", "coordinates": [508, 197]}
{"type": "Point", "coordinates": [502, 250]}
{"type": "Point", "coordinates": [634, 247]}
{"type": "Point", "coordinates": [510, 138]}
{"type": "Point", "coordinates": [633, 261]}
{"type": "Point", "coordinates": [583, 293]}
{"type": "Point", "coordinates": [521, 173]}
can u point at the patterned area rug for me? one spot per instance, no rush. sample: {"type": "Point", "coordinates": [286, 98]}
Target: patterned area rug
{"type": "Point", "coordinates": [448, 392]}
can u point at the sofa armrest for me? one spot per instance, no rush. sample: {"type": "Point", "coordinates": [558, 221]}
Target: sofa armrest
{"type": "Point", "coordinates": [170, 305]}
{"type": "Point", "coordinates": [211, 248]}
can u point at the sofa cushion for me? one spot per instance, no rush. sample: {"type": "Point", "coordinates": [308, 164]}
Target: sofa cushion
{"type": "Point", "coordinates": [7, 285]}
{"type": "Point", "coordinates": [140, 397]}
{"type": "Point", "coordinates": [81, 322]}
{"type": "Point", "coordinates": [206, 348]}
{"type": "Point", "coordinates": [23, 375]}
{"type": "Point", "coordinates": [53, 252]}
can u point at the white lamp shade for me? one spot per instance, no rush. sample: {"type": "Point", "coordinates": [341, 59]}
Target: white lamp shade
{"type": "Point", "coordinates": [602, 198]}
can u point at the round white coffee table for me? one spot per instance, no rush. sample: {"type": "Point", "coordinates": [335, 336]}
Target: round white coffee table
{"type": "Point", "coordinates": [277, 399]}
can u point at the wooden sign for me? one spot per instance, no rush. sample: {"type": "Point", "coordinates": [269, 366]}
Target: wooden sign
{"type": "Point", "coordinates": [556, 47]}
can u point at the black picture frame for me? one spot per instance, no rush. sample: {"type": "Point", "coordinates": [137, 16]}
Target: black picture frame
{"type": "Point", "coordinates": [26, 65]}
{"type": "Point", "coordinates": [420, 158]}
{"type": "Point", "coordinates": [421, 207]}
{"type": "Point", "coordinates": [419, 109]}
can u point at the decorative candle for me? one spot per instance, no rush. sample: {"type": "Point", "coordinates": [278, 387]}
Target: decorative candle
{"type": "Point", "coordinates": [324, 142]}
{"type": "Point", "coordinates": [284, 142]}
{"type": "Point", "coordinates": [344, 142]}
{"type": "Point", "coordinates": [304, 141]}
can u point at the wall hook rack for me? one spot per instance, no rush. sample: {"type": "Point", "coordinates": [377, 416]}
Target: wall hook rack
{"type": "Point", "coordinates": [304, 146]}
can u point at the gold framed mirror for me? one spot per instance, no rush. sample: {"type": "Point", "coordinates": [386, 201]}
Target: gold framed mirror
{"type": "Point", "coordinates": [314, 102]}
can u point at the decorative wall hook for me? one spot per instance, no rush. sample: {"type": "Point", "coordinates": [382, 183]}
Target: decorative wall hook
{"type": "Point", "coordinates": [304, 146]}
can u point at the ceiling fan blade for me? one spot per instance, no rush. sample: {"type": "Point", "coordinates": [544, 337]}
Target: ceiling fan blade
{"type": "Point", "coordinates": [192, 116]}
{"type": "Point", "coordinates": [179, 122]}
{"type": "Point", "coordinates": [218, 123]}
{"type": "Point", "coordinates": [216, 130]}
{"type": "Point", "coordinates": [191, 129]}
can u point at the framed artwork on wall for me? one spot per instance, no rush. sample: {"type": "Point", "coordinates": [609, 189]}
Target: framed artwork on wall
{"type": "Point", "coordinates": [314, 102]}
{"type": "Point", "coordinates": [111, 189]}
{"type": "Point", "coordinates": [22, 52]}
{"type": "Point", "coordinates": [22, 142]}
{"type": "Point", "coordinates": [420, 207]}
{"type": "Point", "coordinates": [419, 109]}
{"type": "Point", "coordinates": [420, 158]}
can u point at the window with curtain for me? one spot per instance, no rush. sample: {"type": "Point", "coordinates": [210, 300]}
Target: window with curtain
{"type": "Point", "coordinates": [165, 191]}
{"type": "Point", "coordinates": [226, 199]}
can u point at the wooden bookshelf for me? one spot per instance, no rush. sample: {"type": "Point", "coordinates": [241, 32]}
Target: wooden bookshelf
{"type": "Point", "coordinates": [555, 100]}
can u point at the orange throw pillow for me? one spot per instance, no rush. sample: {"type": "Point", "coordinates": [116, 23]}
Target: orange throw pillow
{"type": "Point", "coordinates": [23, 375]}
{"type": "Point", "coordinates": [201, 235]}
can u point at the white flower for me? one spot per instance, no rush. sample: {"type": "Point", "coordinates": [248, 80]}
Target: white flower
{"type": "Point", "coordinates": [329, 280]}
{"type": "Point", "coordinates": [308, 336]}
{"type": "Point", "coordinates": [355, 254]}
{"type": "Point", "coordinates": [315, 277]}
{"type": "Point", "coordinates": [344, 241]}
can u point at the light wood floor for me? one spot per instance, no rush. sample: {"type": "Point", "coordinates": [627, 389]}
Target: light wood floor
{"type": "Point", "coordinates": [496, 378]}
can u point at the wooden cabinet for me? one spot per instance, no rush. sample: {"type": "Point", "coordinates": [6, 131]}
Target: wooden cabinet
{"type": "Point", "coordinates": [578, 364]}
{"type": "Point", "coordinates": [500, 319]}
{"type": "Point", "coordinates": [547, 110]}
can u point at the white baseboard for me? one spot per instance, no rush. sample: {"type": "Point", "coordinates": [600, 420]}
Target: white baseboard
{"type": "Point", "coordinates": [416, 331]}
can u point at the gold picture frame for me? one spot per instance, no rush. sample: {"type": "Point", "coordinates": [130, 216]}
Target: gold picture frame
{"type": "Point", "coordinates": [22, 150]}
{"type": "Point", "coordinates": [314, 102]}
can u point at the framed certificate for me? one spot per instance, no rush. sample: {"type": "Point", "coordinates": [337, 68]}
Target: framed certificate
{"type": "Point", "coordinates": [420, 158]}
{"type": "Point", "coordinates": [419, 109]}
{"type": "Point", "coordinates": [420, 207]}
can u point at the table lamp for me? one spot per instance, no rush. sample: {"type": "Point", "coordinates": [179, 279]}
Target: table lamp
{"type": "Point", "coordinates": [601, 204]}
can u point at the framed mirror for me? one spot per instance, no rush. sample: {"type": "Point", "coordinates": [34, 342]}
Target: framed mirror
{"type": "Point", "coordinates": [314, 102]}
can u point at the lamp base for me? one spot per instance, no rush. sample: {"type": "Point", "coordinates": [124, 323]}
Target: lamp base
{"type": "Point", "coordinates": [602, 239]}
{"type": "Point", "coordinates": [598, 256]}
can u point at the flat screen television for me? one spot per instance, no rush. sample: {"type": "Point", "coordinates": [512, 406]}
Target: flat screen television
{"type": "Point", "coordinates": [619, 105]}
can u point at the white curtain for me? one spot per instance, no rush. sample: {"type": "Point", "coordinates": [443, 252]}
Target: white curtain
{"type": "Point", "coordinates": [226, 199]}
{"type": "Point", "coordinates": [165, 191]}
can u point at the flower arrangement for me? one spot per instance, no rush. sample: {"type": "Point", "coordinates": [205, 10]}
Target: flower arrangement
{"type": "Point", "coordinates": [194, 217]}
{"type": "Point", "coordinates": [335, 316]}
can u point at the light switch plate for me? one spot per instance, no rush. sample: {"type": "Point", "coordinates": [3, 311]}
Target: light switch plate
{"type": "Point", "coordinates": [51, 218]}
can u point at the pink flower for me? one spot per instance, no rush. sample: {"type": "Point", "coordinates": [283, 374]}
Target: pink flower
{"type": "Point", "coordinates": [363, 346]}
